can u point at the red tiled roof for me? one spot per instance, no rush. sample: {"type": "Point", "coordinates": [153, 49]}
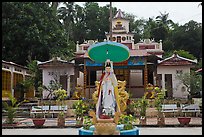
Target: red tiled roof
{"type": "Point", "coordinates": [176, 60]}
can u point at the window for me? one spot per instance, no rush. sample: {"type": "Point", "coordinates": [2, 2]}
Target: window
{"type": "Point", "coordinates": [6, 80]}
{"type": "Point", "coordinates": [136, 77]}
{"type": "Point", "coordinates": [118, 39]}
{"type": "Point", "coordinates": [114, 38]}
{"type": "Point", "coordinates": [17, 69]}
{"type": "Point", "coordinates": [122, 74]}
{"type": "Point", "coordinates": [92, 78]}
{"type": "Point", "coordinates": [17, 78]}
{"type": "Point", "coordinates": [179, 71]}
{"type": "Point", "coordinates": [123, 38]}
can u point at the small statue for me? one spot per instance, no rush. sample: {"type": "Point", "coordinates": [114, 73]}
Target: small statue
{"type": "Point", "coordinates": [78, 92]}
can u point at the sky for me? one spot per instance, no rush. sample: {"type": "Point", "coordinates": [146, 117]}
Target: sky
{"type": "Point", "coordinates": [179, 12]}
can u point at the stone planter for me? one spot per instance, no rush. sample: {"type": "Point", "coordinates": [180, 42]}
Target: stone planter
{"type": "Point", "coordinates": [38, 122]}
{"type": "Point", "coordinates": [160, 119]}
{"type": "Point", "coordinates": [60, 121]}
{"type": "Point", "coordinates": [143, 120]}
{"type": "Point", "coordinates": [184, 121]}
{"type": "Point", "coordinates": [105, 127]}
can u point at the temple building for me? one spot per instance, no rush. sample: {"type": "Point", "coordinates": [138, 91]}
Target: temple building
{"type": "Point", "coordinates": [137, 71]}
{"type": "Point", "coordinates": [145, 64]}
{"type": "Point", "coordinates": [12, 74]}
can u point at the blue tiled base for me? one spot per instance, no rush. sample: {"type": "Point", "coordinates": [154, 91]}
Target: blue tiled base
{"type": "Point", "coordinates": [134, 131]}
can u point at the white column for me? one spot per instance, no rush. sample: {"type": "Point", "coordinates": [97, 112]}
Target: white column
{"type": "Point", "coordinates": [163, 81]}
{"type": "Point", "coordinates": [12, 84]}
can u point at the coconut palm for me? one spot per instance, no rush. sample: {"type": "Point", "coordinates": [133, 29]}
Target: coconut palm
{"type": "Point", "coordinates": [163, 19]}
{"type": "Point", "coordinates": [66, 14]}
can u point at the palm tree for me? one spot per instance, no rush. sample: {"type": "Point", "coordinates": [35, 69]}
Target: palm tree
{"type": "Point", "coordinates": [163, 19]}
{"type": "Point", "coordinates": [66, 14]}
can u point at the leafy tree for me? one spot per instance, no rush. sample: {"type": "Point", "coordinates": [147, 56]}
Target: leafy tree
{"type": "Point", "coordinates": [30, 26]}
{"type": "Point", "coordinates": [66, 13]}
{"type": "Point", "coordinates": [181, 53]}
{"type": "Point", "coordinates": [11, 109]}
{"type": "Point", "coordinates": [36, 75]}
{"type": "Point", "coordinates": [79, 33]}
{"type": "Point", "coordinates": [192, 82]}
{"type": "Point", "coordinates": [188, 37]}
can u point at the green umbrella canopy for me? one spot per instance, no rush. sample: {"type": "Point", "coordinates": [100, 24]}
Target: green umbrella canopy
{"type": "Point", "coordinates": [114, 51]}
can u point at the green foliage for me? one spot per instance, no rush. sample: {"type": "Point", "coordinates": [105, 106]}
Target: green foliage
{"type": "Point", "coordinates": [181, 53]}
{"type": "Point", "coordinates": [36, 74]}
{"type": "Point", "coordinates": [127, 120]}
{"type": "Point", "coordinates": [159, 98]}
{"type": "Point", "coordinates": [40, 115]}
{"type": "Point", "coordinates": [30, 26]}
{"type": "Point", "coordinates": [22, 87]}
{"type": "Point", "coordinates": [80, 108]}
{"type": "Point", "coordinates": [52, 86]}
{"type": "Point", "coordinates": [61, 94]}
{"type": "Point", "coordinates": [192, 81]}
{"type": "Point", "coordinates": [87, 123]}
{"type": "Point", "coordinates": [11, 109]}
{"type": "Point", "coordinates": [142, 105]}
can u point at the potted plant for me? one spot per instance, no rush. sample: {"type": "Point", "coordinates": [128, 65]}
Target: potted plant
{"type": "Point", "coordinates": [130, 109]}
{"type": "Point", "coordinates": [159, 101]}
{"type": "Point", "coordinates": [11, 109]}
{"type": "Point", "coordinates": [126, 126]}
{"type": "Point", "coordinates": [87, 123]}
{"type": "Point", "coordinates": [61, 94]}
{"type": "Point", "coordinates": [39, 119]}
{"type": "Point", "coordinates": [79, 109]}
{"type": "Point", "coordinates": [182, 119]}
{"type": "Point", "coordinates": [142, 104]}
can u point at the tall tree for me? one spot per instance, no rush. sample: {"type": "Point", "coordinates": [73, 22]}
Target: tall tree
{"type": "Point", "coordinates": [92, 20]}
{"type": "Point", "coordinates": [66, 13]}
{"type": "Point", "coordinates": [30, 26]}
{"type": "Point", "coordinates": [189, 37]}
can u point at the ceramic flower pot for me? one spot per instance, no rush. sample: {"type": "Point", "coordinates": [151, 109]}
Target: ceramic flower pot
{"type": "Point", "coordinates": [184, 121]}
{"type": "Point", "coordinates": [38, 122]}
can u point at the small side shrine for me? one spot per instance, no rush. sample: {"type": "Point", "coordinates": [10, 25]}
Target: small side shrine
{"type": "Point", "coordinates": [168, 68]}
{"type": "Point", "coordinates": [58, 70]}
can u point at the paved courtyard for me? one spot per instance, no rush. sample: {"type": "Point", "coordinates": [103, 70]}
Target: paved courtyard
{"type": "Point", "coordinates": [70, 122]}
{"type": "Point", "coordinates": [74, 131]}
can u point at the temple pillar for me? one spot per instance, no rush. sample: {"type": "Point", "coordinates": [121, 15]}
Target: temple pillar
{"type": "Point", "coordinates": [85, 74]}
{"type": "Point", "coordinates": [145, 75]}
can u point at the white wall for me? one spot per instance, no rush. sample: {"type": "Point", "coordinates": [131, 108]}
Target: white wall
{"type": "Point", "coordinates": [80, 80]}
{"type": "Point", "coordinates": [60, 71]}
{"type": "Point", "coordinates": [178, 90]}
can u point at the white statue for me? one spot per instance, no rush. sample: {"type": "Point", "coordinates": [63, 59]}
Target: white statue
{"type": "Point", "coordinates": [108, 92]}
